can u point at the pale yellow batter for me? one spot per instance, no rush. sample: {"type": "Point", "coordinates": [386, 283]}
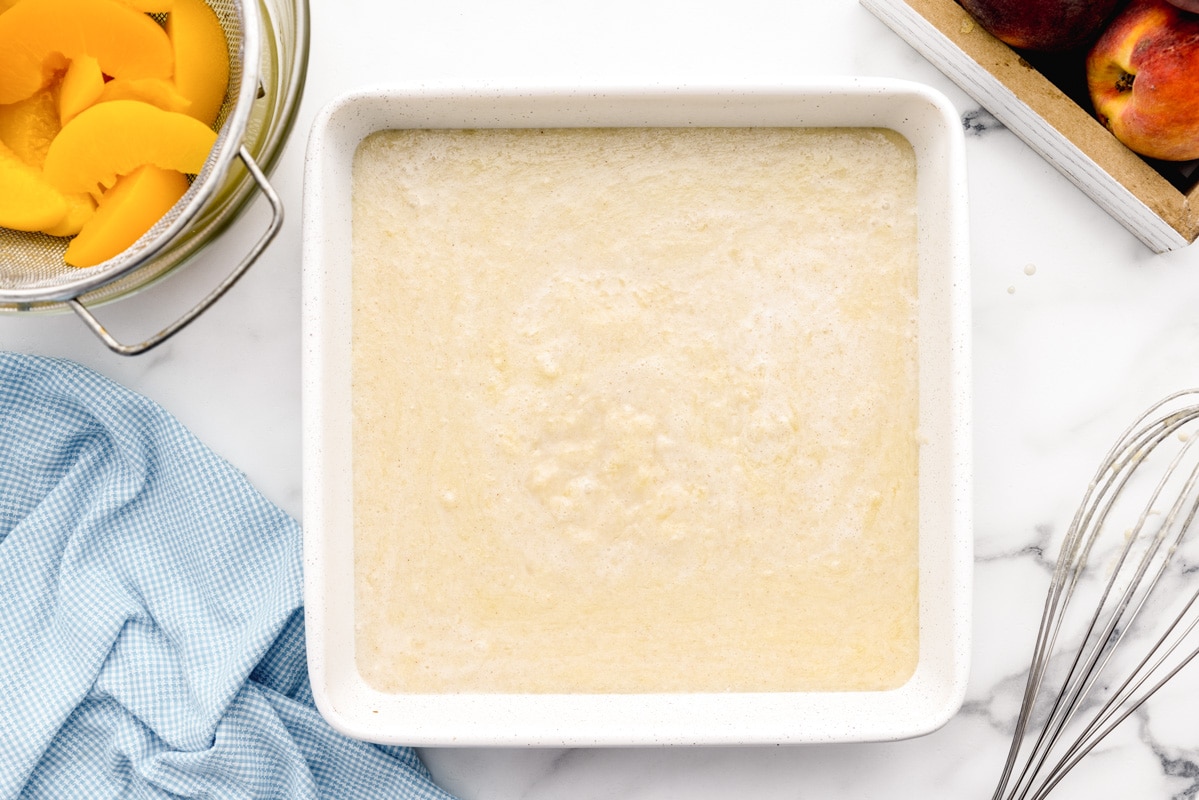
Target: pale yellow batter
{"type": "Point", "coordinates": [635, 410]}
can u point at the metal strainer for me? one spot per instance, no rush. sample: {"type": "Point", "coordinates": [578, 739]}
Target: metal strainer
{"type": "Point", "coordinates": [33, 274]}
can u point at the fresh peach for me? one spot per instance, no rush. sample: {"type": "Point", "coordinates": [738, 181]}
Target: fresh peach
{"type": "Point", "coordinates": [27, 201]}
{"type": "Point", "coordinates": [1143, 76]}
{"type": "Point", "coordinates": [201, 57]}
{"type": "Point", "coordinates": [115, 138]}
{"type": "Point", "coordinates": [1042, 25]}
{"type": "Point", "coordinates": [80, 87]}
{"type": "Point", "coordinates": [126, 211]}
{"type": "Point", "coordinates": [38, 37]}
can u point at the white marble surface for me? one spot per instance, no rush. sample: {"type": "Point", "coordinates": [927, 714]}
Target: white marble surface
{"type": "Point", "coordinates": [1064, 357]}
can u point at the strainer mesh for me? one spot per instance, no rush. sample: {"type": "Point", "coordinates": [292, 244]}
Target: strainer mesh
{"type": "Point", "coordinates": [34, 261]}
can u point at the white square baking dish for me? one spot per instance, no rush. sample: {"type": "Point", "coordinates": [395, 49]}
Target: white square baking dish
{"type": "Point", "coordinates": [934, 692]}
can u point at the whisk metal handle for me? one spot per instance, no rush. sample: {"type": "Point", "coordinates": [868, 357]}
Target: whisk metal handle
{"type": "Point", "coordinates": [267, 237]}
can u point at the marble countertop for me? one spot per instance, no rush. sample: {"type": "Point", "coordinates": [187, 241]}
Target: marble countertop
{"type": "Point", "coordinates": [1077, 327]}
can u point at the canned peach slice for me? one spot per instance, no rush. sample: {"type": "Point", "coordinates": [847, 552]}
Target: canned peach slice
{"type": "Point", "coordinates": [27, 201]}
{"type": "Point", "coordinates": [113, 139]}
{"type": "Point", "coordinates": [39, 37]}
{"type": "Point", "coordinates": [81, 86]}
{"type": "Point", "coordinates": [155, 91]}
{"type": "Point", "coordinates": [80, 207]}
{"type": "Point", "coordinates": [28, 126]}
{"type": "Point", "coordinates": [126, 211]}
{"type": "Point", "coordinates": [201, 57]}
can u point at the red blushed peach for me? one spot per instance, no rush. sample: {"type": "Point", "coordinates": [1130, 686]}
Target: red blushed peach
{"type": "Point", "coordinates": [1143, 76]}
{"type": "Point", "coordinates": [1043, 25]}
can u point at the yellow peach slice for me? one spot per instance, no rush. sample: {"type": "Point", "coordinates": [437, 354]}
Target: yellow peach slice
{"type": "Point", "coordinates": [37, 35]}
{"type": "Point", "coordinates": [155, 91]}
{"type": "Point", "coordinates": [81, 86]}
{"type": "Point", "coordinates": [27, 201]}
{"type": "Point", "coordinates": [5, 5]}
{"type": "Point", "coordinates": [112, 139]}
{"type": "Point", "coordinates": [201, 57]}
{"type": "Point", "coordinates": [80, 207]}
{"type": "Point", "coordinates": [28, 126]}
{"type": "Point", "coordinates": [127, 210]}
{"type": "Point", "coordinates": [150, 6]}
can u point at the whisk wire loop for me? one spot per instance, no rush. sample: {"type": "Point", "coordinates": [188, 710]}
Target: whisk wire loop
{"type": "Point", "coordinates": [1083, 697]}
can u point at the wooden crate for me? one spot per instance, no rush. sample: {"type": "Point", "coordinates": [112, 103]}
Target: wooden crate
{"type": "Point", "coordinates": [1061, 129]}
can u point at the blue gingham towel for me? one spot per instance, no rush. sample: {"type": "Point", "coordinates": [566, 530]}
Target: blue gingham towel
{"type": "Point", "coordinates": [151, 626]}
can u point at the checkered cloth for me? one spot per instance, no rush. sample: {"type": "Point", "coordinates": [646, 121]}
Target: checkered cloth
{"type": "Point", "coordinates": [151, 626]}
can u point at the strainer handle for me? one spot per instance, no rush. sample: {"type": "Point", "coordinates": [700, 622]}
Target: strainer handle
{"type": "Point", "coordinates": [166, 333]}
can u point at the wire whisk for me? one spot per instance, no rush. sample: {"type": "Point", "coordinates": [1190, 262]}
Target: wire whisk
{"type": "Point", "coordinates": [1095, 663]}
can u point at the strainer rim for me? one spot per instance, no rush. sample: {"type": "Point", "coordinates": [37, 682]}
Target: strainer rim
{"type": "Point", "coordinates": [218, 163]}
